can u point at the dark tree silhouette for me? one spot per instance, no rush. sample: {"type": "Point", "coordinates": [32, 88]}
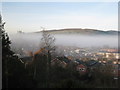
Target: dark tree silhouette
{"type": "Point", "coordinates": [6, 52]}
{"type": "Point", "coordinates": [48, 43]}
{"type": "Point", "coordinates": [12, 68]}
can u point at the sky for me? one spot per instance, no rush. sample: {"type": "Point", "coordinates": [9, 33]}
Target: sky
{"type": "Point", "coordinates": [31, 16]}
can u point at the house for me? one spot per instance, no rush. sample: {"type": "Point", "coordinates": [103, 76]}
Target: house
{"type": "Point", "coordinates": [92, 65]}
{"type": "Point", "coordinates": [58, 62]}
{"type": "Point", "coordinates": [91, 62]}
{"type": "Point", "coordinates": [82, 69]}
{"type": "Point", "coordinates": [79, 61]}
{"type": "Point", "coordinates": [65, 59]}
{"type": "Point", "coordinates": [110, 53]}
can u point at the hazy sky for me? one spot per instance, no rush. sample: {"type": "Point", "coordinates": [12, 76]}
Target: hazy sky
{"type": "Point", "coordinates": [30, 16]}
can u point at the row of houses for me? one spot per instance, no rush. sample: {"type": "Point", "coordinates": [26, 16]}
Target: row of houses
{"type": "Point", "coordinates": [91, 65]}
{"type": "Point", "coordinates": [81, 65]}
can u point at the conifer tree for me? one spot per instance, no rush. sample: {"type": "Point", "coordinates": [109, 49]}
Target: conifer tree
{"type": "Point", "coordinates": [11, 65]}
{"type": "Point", "coordinates": [6, 52]}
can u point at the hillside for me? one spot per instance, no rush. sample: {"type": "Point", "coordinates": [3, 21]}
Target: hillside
{"type": "Point", "coordinates": [81, 31]}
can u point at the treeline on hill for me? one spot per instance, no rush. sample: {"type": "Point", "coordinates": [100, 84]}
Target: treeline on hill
{"type": "Point", "coordinates": [41, 74]}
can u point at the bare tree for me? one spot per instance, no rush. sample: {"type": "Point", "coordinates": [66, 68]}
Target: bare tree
{"type": "Point", "coordinates": [48, 43]}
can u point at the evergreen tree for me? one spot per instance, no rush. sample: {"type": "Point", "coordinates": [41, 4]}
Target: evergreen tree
{"type": "Point", "coordinates": [12, 68]}
{"type": "Point", "coordinates": [6, 52]}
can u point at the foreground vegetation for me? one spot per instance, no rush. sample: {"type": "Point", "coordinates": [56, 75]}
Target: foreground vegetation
{"type": "Point", "coordinates": [41, 74]}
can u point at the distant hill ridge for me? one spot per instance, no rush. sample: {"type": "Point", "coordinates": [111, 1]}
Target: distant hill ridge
{"type": "Point", "coordinates": [81, 31]}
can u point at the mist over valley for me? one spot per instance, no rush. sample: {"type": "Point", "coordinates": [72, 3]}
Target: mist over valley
{"type": "Point", "coordinates": [67, 37]}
